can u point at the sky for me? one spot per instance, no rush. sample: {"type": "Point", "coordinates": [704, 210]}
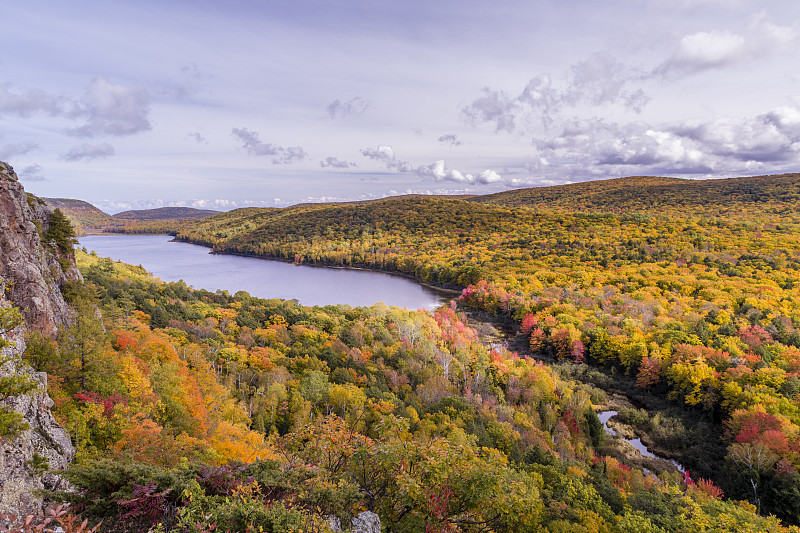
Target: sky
{"type": "Point", "coordinates": [219, 105]}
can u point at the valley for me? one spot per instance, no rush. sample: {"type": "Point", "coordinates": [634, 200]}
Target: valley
{"type": "Point", "coordinates": [678, 313]}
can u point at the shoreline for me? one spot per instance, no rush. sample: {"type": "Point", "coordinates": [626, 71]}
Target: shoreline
{"type": "Point", "coordinates": [447, 292]}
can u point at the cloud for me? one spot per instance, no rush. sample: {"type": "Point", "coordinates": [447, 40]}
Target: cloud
{"type": "Point", "coordinates": [197, 137]}
{"type": "Point", "coordinates": [704, 50]}
{"type": "Point", "coordinates": [355, 106]}
{"type": "Point", "coordinates": [8, 151]}
{"type": "Point", "coordinates": [218, 204]}
{"type": "Point", "coordinates": [31, 173]}
{"type": "Point", "coordinates": [450, 139]}
{"type": "Point", "coordinates": [493, 106]}
{"type": "Point", "coordinates": [438, 171]}
{"type": "Point", "coordinates": [282, 156]}
{"type": "Point", "coordinates": [336, 163]}
{"type": "Point", "coordinates": [715, 49]}
{"type": "Point", "coordinates": [29, 102]}
{"type": "Point", "coordinates": [769, 142]}
{"type": "Point", "coordinates": [773, 137]}
{"type": "Point", "coordinates": [385, 154]}
{"type": "Point", "coordinates": [113, 110]}
{"type": "Point", "coordinates": [599, 80]}
{"type": "Point", "coordinates": [89, 152]}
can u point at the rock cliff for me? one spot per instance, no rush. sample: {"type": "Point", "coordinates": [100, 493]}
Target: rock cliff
{"type": "Point", "coordinates": [29, 269]}
{"type": "Point", "coordinates": [31, 276]}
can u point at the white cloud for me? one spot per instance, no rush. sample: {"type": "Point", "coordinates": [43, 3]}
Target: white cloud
{"type": "Point", "coordinates": [89, 152]}
{"type": "Point", "coordinates": [385, 154]}
{"type": "Point", "coordinates": [217, 204]}
{"type": "Point", "coordinates": [113, 110]}
{"type": "Point", "coordinates": [438, 171]}
{"type": "Point", "coordinates": [706, 50]}
{"type": "Point", "coordinates": [254, 146]}
{"type": "Point", "coordinates": [489, 176]}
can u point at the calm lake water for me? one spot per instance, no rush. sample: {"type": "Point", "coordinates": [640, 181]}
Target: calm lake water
{"type": "Point", "coordinates": [174, 261]}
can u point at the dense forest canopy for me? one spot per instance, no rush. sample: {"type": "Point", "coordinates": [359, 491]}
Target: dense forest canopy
{"type": "Point", "coordinates": [195, 408]}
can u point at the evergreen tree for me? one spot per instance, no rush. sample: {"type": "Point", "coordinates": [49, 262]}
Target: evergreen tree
{"type": "Point", "coordinates": [60, 231]}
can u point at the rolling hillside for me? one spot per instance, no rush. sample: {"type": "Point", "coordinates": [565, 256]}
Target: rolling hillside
{"type": "Point", "coordinates": [83, 215]}
{"type": "Point", "coordinates": [165, 213]}
{"type": "Point", "coordinates": [645, 193]}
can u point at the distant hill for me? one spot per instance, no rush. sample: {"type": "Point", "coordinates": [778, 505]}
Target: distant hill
{"type": "Point", "coordinates": [82, 214]}
{"type": "Point", "coordinates": [165, 213]}
{"type": "Point", "coordinates": [645, 193]}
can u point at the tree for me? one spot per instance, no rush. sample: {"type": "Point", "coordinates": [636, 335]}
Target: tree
{"type": "Point", "coordinates": [80, 346]}
{"type": "Point", "coordinates": [60, 231]}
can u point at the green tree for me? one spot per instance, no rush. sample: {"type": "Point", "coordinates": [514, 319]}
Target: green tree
{"type": "Point", "coordinates": [60, 231]}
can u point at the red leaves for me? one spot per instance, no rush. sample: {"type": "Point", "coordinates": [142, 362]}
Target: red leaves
{"type": "Point", "coordinates": [649, 372]}
{"type": "Point", "coordinates": [108, 402]}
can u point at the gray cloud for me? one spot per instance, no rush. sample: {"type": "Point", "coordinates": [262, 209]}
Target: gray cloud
{"type": "Point", "coordinates": [354, 106]}
{"type": "Point", "coordinates": [599, 80]}
{"type": "Point", "coordinates": [197, 137]}
{"type": "Point", "coordinates": [113, 110]}
{"type": "Point", "coordinates": [493, 106]}
{"type": "Point", "coordinates": [334, 162]}
{"type": "Point", "coordinates": [29, 102]}
{"type": "Point", "coordinates": [450, 139]}
{"type": "Point", "coordinates": [31, 173]}
{"type": "Point", "coordinates": [385, 154]}
{"type": "Point", "coordinates": [7, 151]}
{"type": "Point", "coordinates": [773, 137]}
{"type": "Point", "coordinates": [89, 152]}
{"type": "Point", "coordinates": [768, 142]}
{"type": "Point", "coordinates": [254, 146]}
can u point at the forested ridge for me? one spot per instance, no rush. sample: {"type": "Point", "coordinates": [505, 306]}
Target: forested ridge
{"type": "Point", "coordinates": [205, 411]}
{"type": "Point", "coordinates": [686, 288]}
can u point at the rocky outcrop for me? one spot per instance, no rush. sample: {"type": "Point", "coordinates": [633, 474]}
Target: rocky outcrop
{"type": "Point", "coordinates": [28, 461]}
{"type": "Point", "coordinates": [30, 270]}
{"type": "Point", "coordinates": [365, 522]}
{"type": "Point", "coordinates": [31, 277]}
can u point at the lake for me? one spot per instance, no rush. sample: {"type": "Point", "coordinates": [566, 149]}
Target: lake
{"type": "Point", "coordinates": [174, 261]}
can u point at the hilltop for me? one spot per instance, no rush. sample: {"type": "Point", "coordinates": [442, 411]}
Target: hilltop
{"type": "Point", "coordinates": [645, 193]}
{"type": "Point", "coordinates": [87, 217]}
{"type": "Point", "coordinates": [83, 214]}
{"type": "Point", "coordinates": [165, 213]}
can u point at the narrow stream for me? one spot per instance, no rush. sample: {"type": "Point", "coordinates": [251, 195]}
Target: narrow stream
{"type": "Point", "coordinates": [605, 416]}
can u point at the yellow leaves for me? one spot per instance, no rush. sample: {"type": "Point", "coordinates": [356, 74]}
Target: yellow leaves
{"type": "Point", "coordinates": [691, 380]}
{"type": "Point", "coordinates": [233, 442]}
{"type": "Point", "coordinates": [136, 382]}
